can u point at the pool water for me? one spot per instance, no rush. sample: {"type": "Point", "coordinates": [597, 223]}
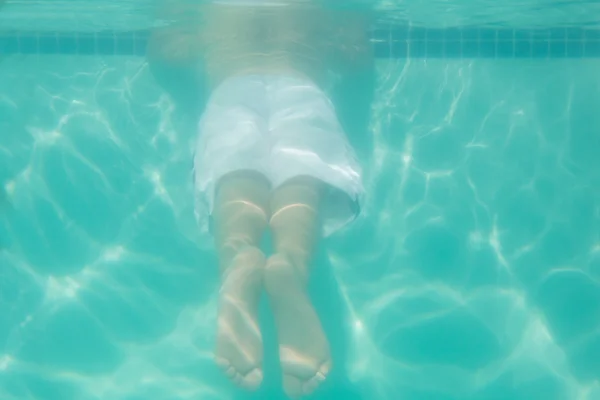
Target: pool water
{"type": "Point", "coordinates": [473, 272]}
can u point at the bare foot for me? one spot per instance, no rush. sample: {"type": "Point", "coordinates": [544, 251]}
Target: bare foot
{"type": "Point", "coordinates": [239, 341]}
{"type": "Point", "coordinates": [303, 347]}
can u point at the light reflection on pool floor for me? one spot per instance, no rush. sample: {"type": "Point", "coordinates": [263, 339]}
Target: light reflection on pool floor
{"type": "Point", "coordinates": [473, 273]}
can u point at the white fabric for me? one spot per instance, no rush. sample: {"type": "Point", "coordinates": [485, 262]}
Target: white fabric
{"type": "Point", "coordinates": [282, 127]}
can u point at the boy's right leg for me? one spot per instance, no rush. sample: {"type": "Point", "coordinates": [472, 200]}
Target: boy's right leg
{"type": "Point", "coordinates": [303, 347]}
{"type": "Point", "coordinates": [240, 217]}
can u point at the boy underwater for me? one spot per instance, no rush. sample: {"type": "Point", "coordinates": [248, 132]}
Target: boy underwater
{"type": "Point", "coordinates": [270, 154]}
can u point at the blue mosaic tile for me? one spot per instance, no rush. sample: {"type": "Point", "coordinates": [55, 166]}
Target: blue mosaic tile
{"type": "Point", "coordinates": [398, 49]}
{"type": "Point", "coordinates": [557, 49]}
{"type": "Point", "coordinates": [557, 34]}
{"type": "Point", "coordinates": [106, 43]}
{"type": "Point", "coordinates": [505, 49]}
{"type": "Point", "coordinates": [48, 44]}
{"type": "Point", "coordinates": [505, 35]}
{"type": "Point", "coordinates": [523, 34]}
{"type": "Point", "coordinates": [486, 49]}
{"type": "Point", "coordinates": [538, 35]}
{"type": "Point", "coordinates": [591, 34]}
{"type": "Point", "coordinates": [417, 49]}
{"type": "Point", "coordinates": [453, 34]}
{"type": "Point", "coordinates": [575, 49]}
{"type": "Point", "coordinates": [540, 49]}
{"type": "Point", "coordinates": [470, 49]}
{"type": "Point", "coordinates": [435, 49]}
{"type": "Point", "coordinates": [8, 44]}
{"type": "Point", "coordinates": [417, 34]}
{"type": "Point", "coordinates": [68, 44]}
{"type": "Point", "coordinates": [86, 44]}
{"type": "Point", "coordinates": [453, 48]}
{"type": "Point", "coordinates": [523, 49]}
{"type": "Point", "coordinates": [141, 42]}
{"type": "Point", "coordinates": [435, 35]}
{"type": "Point", "coordinates": [125, 43]}
{"type": "Point", "coordinates": [574, 34]}
{"type": "Point", "coordinates": [29, 44]}
{"type": "Point", "coordinates": [591, 49]}
{"type": "Point", "coordinates": [485, 35]}
{"type": "Point", "coordinates": [395, 34]}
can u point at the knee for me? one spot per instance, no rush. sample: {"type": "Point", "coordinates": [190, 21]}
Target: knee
{"type": "Point", "coordinates": [301, 190]}
{"type": "Point", "coordinates": [236, 242]}
{"type": "Point", "coordinates": [295, 218]}
{"type": "Point", "coordinates": [232, 245]}
{"type": "Point", "coordinates": [246, 186]}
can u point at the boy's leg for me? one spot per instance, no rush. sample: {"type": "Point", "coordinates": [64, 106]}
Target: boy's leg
{"type": "Point", "coordinates": [303, 347]}
{"type": "Point", "coordinates": [240, 217]}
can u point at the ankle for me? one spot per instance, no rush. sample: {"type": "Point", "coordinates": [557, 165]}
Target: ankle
{"type": "Point", "coordinates": [247, 264]}
{"type": "Point", "coordinates": [233, 245]}
{"type": "Point", "coordinates": [283, 263]}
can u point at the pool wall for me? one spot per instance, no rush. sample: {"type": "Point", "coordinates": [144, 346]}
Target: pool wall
{"type": "Point", "coordinates": [397, 42]}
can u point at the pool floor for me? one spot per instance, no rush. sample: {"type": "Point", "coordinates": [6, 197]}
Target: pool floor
{"type": "Point", "coordinates": [473, 272]}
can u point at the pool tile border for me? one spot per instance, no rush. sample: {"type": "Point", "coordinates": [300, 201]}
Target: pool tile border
{"type": "Point", "coordinates": [400, 42]}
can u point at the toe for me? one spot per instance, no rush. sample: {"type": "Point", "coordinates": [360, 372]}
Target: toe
{"type": "Point", "coordinates": [223, 363]}
{"type": "Point", "coordinates": [296, 387]}
{"type": "Point", "coordinates": [314, 382]}
{"type": "Point", "coordinates": [324, 370]}
{"type": "Point", "coordinates": [252, 379]}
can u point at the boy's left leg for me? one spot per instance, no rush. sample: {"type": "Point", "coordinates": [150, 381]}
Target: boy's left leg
{"type": "Point", "coordinates": [303, 347]}
{"type": "Point", "coordinates": [240, 216]}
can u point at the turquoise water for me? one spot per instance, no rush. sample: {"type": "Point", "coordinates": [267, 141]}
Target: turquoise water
{"type": "Point", "coordinates": [473, 272]}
